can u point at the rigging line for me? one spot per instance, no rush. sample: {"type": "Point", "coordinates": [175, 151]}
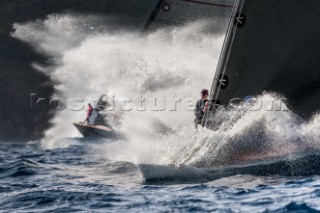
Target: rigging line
{"type": "Point", "coordinates": [208, 3]}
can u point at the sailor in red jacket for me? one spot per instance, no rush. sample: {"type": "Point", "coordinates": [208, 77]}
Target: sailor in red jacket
{"type": "Point", "coordinates": [89, 113]}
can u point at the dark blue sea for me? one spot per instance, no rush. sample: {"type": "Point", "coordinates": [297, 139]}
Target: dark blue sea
{"type": "Point", "coordinates": [78, 178]}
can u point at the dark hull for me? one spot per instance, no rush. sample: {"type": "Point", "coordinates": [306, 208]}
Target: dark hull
{"type": "Point", "coordinates": [306, 165]}
{"type": "Point", "coordinates": [91, 131]}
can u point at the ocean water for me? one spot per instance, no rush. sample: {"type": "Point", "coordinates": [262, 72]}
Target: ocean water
{"type": "Point", "coordinates": [80, 179]}
{"type": "Point", "coordinates": [254, 161]}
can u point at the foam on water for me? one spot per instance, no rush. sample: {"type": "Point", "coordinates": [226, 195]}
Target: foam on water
{"type": "Point", "coordinates": [169, 64]}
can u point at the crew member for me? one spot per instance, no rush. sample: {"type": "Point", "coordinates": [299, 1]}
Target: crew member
{"type": "Point", "coordinates": [201, 107]}
{"type": "Point", "coordinates": [89, 113]}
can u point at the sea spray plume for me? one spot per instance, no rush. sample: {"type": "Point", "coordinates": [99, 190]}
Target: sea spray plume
{"type": "Point", "coordinates": [253, 136]}
{"type": "Point", "coordinates": [176, 61]}
{"type": "Point", "coordinates": [243, 137]}
{"type": "Point", "coordinates": [59, 33]}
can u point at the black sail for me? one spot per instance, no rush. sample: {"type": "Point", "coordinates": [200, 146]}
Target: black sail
{"type": "Point", "coordinates": [178, 12]}
{"type": "Point", "coordinates": [272, 46]}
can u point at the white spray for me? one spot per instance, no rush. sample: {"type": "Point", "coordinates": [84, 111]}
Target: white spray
{"type": "Point", "coordinates": [167, 64]}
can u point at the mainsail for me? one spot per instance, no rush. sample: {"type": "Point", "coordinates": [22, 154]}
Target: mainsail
{"type": "Point", "coordinates": [272, 46]}
{"type": "Point", "coordinates": [178, 12]}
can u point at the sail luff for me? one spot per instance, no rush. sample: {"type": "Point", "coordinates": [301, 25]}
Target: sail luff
{"type": "Point", "coordinates": [225, 53]}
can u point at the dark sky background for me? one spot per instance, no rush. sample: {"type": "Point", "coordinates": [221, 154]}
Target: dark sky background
{"type": "Point", "coordinates": [18, 79]}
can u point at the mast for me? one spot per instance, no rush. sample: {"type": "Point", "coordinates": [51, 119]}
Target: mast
{"type": "Point", "coordinates": [236, 20]}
